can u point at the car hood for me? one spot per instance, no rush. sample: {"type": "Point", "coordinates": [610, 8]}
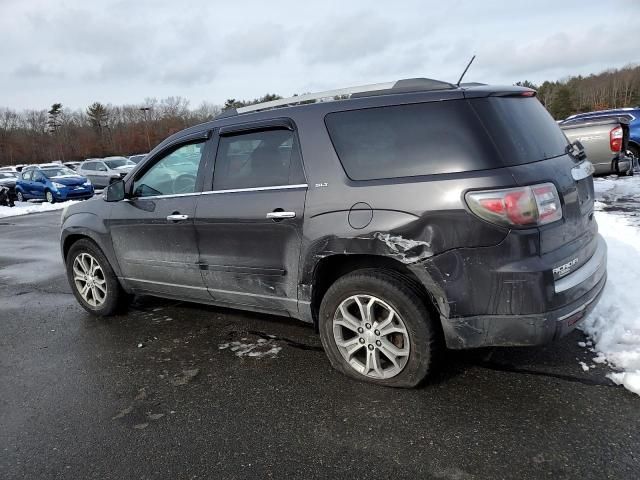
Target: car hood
{"type": "Point", "coordinates": [69, 179]}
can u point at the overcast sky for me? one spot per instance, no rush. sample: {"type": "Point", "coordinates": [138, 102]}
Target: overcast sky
{"type": "Point", "coordinates": [114, 51]}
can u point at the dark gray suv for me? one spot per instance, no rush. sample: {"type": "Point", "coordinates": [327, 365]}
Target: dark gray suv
{"type": "Point", "coordinates": [397, 218]}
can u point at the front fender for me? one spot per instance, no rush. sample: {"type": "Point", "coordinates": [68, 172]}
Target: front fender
{"type": "Point", "coordinates": [89, 225]}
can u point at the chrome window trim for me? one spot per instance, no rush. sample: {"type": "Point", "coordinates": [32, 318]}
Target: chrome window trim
{"type": "Point", "coordinates": [211, 192]}
{"type": "Point", "coordinates": [171, 195]}
{"type": "Point", "coordinates": [257, 189]}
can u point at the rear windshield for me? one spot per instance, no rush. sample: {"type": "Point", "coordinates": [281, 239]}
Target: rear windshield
{"type": "Point", "coordinates": [443, 137]}
{"type": "Point", "coordinates": [522, 129]}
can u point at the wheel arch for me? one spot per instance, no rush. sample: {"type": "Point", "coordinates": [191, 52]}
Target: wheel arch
{"type": "Point", "coordinates": [331, 268]}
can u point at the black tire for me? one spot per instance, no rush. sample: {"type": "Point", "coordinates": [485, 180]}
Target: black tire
{"type": "Point", "coordinates": [20, 197]}
{"type": "Point", "coordinates": [116, 298]}
{"type": "Point", "coordinates": [49, 196]}
{"type": "Point", "coordinates": [399, 293]}
{"type": "Point", "coordinates": [635, 152]}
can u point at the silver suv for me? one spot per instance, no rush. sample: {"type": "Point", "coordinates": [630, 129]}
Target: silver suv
{"type": "Point", "coordinates": [103, 171]}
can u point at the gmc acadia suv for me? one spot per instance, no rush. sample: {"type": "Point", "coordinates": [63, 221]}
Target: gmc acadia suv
{"type": "Point", "coordinates": [397, 218]}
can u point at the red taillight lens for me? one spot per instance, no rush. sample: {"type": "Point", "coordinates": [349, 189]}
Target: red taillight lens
{"type": "Point", "coordinates": [615, 139]}
{"type": "Point", "coordinates": [517, 207]}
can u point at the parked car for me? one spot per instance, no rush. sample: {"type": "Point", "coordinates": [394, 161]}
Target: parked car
{"type": "Point", "coordinates": [53, 184]}
{"type": "Point", "coordinates": [8, 182]}
{"type": "Point", "coordinates": [9, 169]}
{"type": "Point", "coordinates": [631, 114]}
{"type": "Point", "coordinates": [412, 216]}
{"type": "Point", "coordinates": [605, 140]}
{"type": "Point", "coordinates": [103, 171]}
{"type": "Point", "coordinates": [137, 158]}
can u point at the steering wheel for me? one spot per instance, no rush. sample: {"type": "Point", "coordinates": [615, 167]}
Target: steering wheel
{"type": "Point", "coordinates": [185, 183]}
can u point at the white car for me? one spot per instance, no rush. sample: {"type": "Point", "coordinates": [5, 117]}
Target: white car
{"type": "Point", "coordinates": [103, 171]}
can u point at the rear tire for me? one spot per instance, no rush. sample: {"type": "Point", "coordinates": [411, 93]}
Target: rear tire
{"type": "Point", "coordinates": [20, 197]}
{"type": "Point", "coordinates": [364, 300]}
{"type": "Point", "coordinates": [92, 280]}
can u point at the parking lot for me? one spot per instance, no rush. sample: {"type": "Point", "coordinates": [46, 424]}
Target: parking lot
{"type": "Point", "coordinates": [177, 390]}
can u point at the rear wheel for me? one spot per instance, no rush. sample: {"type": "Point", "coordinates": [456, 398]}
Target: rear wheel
{"type": "Point", "coordinates": [20, 197]}
{"type": "Point", "coordinates": [635, 153]}
{"type": "Point", "coordinates": [92, 279]}
{"type": "Point", "coordinates": [376, 328]}
{"type": "Point", "coordinates": [49, 196]}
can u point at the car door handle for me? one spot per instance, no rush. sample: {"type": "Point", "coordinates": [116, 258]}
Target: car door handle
{"type": "Point", "coordinates": [279, 215]}
{"type": "Point", "coordinates": [176, 217]}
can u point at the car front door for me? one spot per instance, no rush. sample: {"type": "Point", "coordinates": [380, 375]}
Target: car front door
{"type": "Point", "coordinates": [249, 224]}
{"type": "Point", "coordinates": [152, 231]}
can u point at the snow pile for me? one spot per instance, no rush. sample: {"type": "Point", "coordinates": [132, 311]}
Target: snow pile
{"type": "Point", "coordinates": [24, 208]}
{"type": "Point", "coordinates": [613, 187]}
{"type": "Point", "coordinates": [262, 348]}
{"type": "Point", "coordinates": [614, 325]}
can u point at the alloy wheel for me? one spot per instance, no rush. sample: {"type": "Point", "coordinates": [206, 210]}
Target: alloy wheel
{"type": "Point", "coordinates": [89, 280]}
{"type": "Point", "coordinates": [371, 336]}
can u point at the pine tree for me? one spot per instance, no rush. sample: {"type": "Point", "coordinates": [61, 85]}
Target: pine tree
{"type": "Point", "coordinates": [53, 122]}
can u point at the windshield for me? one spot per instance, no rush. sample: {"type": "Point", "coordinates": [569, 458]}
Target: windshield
{"type": "Point", "coordinates": [119, 163]}
{"type": "Point", "coordinates": [58, 172]}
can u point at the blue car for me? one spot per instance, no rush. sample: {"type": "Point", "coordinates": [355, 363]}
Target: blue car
{"type": "Point", "coordinates": [631, 114]}
{"type": "Point", "coordinates": [53, 184]}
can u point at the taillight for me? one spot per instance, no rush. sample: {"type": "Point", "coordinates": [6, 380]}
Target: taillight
{"type": "Point", "coordinates": [517, 207]}
{"type": "Point", "coordinates": [615, 139]}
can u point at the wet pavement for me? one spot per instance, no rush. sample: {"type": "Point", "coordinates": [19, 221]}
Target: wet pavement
{"type": "Point", "coordinates": [179, 390]}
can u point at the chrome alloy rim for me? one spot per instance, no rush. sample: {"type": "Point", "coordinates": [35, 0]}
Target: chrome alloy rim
{"type": "Point", "coordinates": [89, 280]}
{"type": "Point", "coordinates": [371, 336]}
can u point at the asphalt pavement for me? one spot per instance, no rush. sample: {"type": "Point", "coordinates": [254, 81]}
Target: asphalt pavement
{"type": "Point", "coordinates": [178, 390]}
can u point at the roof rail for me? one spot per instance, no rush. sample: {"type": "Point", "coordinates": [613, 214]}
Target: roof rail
{"type": "Point", "coordinates": [407, 85]}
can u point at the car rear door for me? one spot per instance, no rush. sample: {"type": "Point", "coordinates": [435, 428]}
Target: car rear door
{"type": "Point", "coordinates": [153, 232]}
{"type": "Point", "coordinates": [88, 169]}
{"type": "Point", "coordinates": [25, 183]}
{"type": "Point", "coordinates": [249, 224]}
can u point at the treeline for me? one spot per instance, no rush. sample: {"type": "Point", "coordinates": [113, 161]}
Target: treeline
{"type": "Point", "coordinates": [59, 133]}
{"type": "Point", "coordinates": [615, 88]}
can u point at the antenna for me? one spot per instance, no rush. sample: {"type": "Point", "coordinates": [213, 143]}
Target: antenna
{"type": "Point", "coordinates": [465, 70]}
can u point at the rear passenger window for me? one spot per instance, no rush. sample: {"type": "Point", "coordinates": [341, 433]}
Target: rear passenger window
{"type": "Point", "coordinates": [89, 166]}
{"type": "Point", "coordinates": [264, 158]}
{"type": "Point", "coordinates": [410, 140]}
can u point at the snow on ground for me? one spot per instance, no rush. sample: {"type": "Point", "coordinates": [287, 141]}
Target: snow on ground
{"type": "Point", "coordinates": [614, 325]}
{"type": "Point", "coordinates": [263, 348]}
{"type": "Point", "coordinates": [25, 208]}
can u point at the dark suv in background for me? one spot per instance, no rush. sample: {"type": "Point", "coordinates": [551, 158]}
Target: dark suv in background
{"type": "Point", "coordinates": [398, 218]}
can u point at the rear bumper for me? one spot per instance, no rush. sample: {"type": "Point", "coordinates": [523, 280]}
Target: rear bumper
{"type": "Point", "coordinates": [535, 328]}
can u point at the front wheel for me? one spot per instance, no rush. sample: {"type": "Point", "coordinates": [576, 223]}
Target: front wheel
{"type": "Point", "coordinates": [376, 327]}
{"type": "Point", "coordinates": [20, 197]}
{"type": "Point", "coordinates": [49, 196]}
{"type": "Point", "coordinates": [92, 279]}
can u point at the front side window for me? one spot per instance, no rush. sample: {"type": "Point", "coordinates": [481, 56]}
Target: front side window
{"type": "Point", "coordinates": [175, 173]}
{"type": "Point", "coordinates": [257, 159]}
{"type": "Point", "coordinates": [99, 166]}
{"type": "Point", "coordinates": [27, 175]}
{"type": "Point", "coordinates": [88, 166]}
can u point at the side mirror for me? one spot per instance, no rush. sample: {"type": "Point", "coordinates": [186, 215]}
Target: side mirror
{"type": "Point", "coordinates": [114, 192]}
